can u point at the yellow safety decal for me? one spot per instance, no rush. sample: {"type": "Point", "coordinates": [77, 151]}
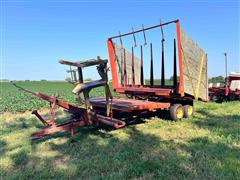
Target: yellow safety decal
{"type": "Point", "coordinates": [199, 77]}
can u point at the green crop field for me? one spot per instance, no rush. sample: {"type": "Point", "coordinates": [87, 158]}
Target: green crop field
{"type": "Point", "coordinates": [206, 146]}
{"type": "Point", "coordinates": [14, 100]}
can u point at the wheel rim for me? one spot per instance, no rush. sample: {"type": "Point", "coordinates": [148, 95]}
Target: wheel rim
{"type": "Point", "coordinates": [189, 110]}
{"type": "Point", "coordinates": [214, 98]}
{"type": "Point", "coordinates": [179, 112]}
{"type": "Point", "coordinates": [231, 97]}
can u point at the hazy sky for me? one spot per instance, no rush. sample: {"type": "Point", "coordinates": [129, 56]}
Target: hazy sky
{"type": "Point", "coordinates": [36, 34]}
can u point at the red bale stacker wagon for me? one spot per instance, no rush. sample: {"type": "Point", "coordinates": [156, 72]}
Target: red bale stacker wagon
{"type": "Point", "coordinates": [127, 69]}
{"type": "Point", "coordinates": [228, 91]}
{"type": "Point", "coordinates": [130, 63]}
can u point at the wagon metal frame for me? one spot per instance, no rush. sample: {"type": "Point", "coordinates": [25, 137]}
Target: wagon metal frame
{"type": "Point", "coordinates": [177, 89]}
{"type": "Point", "coordinates": [156, 97]}
{"type": "Point", "coordinates": [105, 110]}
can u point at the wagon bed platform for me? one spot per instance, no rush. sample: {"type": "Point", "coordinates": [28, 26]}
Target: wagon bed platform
{"type": "Point", "coordinates": [127, 105]}
{"type": "Point", "coordinates": [145, 90]}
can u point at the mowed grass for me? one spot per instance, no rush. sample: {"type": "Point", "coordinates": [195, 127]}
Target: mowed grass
{"type": "Point", "coordinates": [206, 146]}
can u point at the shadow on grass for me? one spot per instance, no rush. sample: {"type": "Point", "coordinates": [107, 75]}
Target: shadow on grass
{"type": "Point", "coordinates": [138, 118]}
{"type": "Point", "coordinates": [125, 153]}
{"type": "Point", "coordinates": [227, 125]}
{"type": "Point", "coordinates": [20, 124]}
{"type": "Point", "coordinates": [3, 147]}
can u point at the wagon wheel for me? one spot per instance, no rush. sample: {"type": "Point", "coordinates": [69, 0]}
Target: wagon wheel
{"type": "Point", "coordinates": [224, 99]}
{"type": "Point", "coordinates": [129, 96]}
{"type": "Point", "coordinates": [238, 97]}
{"type": "Point", "coordinates": [221, 99]}
{"type": "Point", "coordinates": [231, 97]}
{"type": "Point", "coordinates": [214, 98]}
{"type": "Point", "coordinates": [188, 111]}
{"type": "Point", "coordinates": [176, 112]}
{"type": "Point", "coordinates": [141, 97]}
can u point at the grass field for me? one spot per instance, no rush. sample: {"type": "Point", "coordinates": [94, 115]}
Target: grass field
{"type": "Point", "coordinates": [206, 146]}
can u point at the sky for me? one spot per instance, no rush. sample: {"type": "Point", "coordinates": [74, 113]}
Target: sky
{"type": "Point", "coordinates": [35, 35]}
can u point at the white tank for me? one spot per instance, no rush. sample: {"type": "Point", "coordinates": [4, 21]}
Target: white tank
{"type": "Point", "coordinates": [234, 74]}
{"type": "Point", "coordinates": [235, 85]}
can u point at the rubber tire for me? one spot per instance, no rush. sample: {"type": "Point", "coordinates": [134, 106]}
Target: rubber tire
{"type": "Point", "coordinates": [173, 112]}
{"type": "Point", "coordinates": [141, 97]}
{"type": "Point", "coordinates": [232, 97]}
{"type": "Point", "coordinates": [185, 108]}
{"type": "Point", "coordinates": [129, 96]}
{"type": "Point", "coordinates": [215, 98]}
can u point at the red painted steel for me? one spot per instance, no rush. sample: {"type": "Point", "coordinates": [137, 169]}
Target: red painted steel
{"type": "Point", "coordinates": [111, 121]}
{"type": "Point", "coordinates": [58, 128]}
{"type": "Point", "coordinates": [227, 87]}
{"type": "Point", "coordinates": [133, 73]}
{"type": "Point", "coordinates": [144, 29]}
{"type": "Point", "coordinates": [144, 90]}
{"type": "Point", "coordinates": [231, 78]}
{"type": "Point", "coordinates": [181, 81]}
{"type": "Point", "coordinates": [113, 64]}
{"type": "Point", "coordinates": [129, 105]}
{"type": "Point", "coordinates": [53, 127]}
{"type": "Point", "coordinates": [224, 93]}
{"type": "Point", "coordinates": [131, 87]}
{"type": "Point", "coordinates": [45, 123]}
{"type": "Point", "coordinates": [125, 68]}
{"type": "Point", "coordinates": [65, 105]}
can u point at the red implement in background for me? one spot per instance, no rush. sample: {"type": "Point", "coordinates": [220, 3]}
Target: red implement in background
{"type": "Point", "coordinates": [228, 91]}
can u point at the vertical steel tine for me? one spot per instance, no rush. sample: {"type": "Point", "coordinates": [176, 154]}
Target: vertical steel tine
{"type": "Point", "coordinates": [120, 39]}
{"type": "Point", "coordinates": [144, 36]}
{"type": "Point", "coordinates": [80, 75]}
{"type": "Point", "coordinates": [71, 73]}
{"type": "Point", "coordinates": [133, 74]}
{"type": "Point", "coordinates": [121, 66]}
{"type": "Point", "coordinates": [226, 68]}
{"type": "Point", "coordinates": [125, 67]}
{"type": "Point", "coordinates": [134, 38]}
{"type": "Point", "coordinates": [141, 75]}
{"type": "Point", "coordinates": [162, 30]}
{"type": "Point", "coordinates": [151, 65]}
{"type": "Point", "coordinates": [74, 76]}
{"type": "Point", "coordinates": [163, 66]}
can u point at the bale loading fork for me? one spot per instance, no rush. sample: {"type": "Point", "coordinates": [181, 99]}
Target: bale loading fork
{"type": "Point", "coordinates": [83, 113]}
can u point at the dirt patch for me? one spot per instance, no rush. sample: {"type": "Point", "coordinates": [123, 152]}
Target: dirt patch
{"type": "Point", "coordinates": [10, 116]}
